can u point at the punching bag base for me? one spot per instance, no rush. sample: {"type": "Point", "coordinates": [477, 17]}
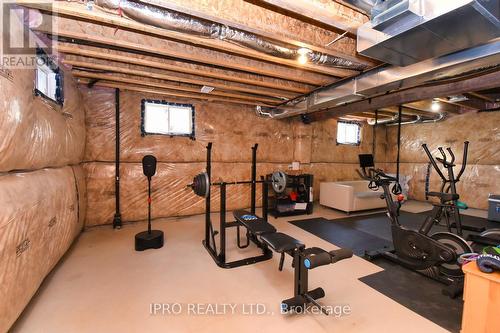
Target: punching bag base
{"type": "Point", "coordinates": [145, 240]}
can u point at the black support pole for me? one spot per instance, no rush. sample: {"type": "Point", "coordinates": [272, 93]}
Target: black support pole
{"type": "Point", "coordinates": [222, 228]}
{"type": "Point", "coordinates": [117, 221]}
{"type": "Point", "coordinates": [208, 222]}
{"type": "Point", "coordinates": [400, 116]}
{"type": "Point", "coordinates": [254, 178]}
{"type": "Point", "coordinates": [265, 199]}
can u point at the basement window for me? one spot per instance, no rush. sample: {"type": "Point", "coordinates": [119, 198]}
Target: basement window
{"type": "Point", "coordinates": [163, 118]}
{"type": "Point", "coordinates": [348, 133]}
{"type": "Point", "coordinates": [49, 79]}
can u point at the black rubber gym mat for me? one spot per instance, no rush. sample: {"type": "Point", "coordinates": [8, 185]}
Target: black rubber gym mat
{"type": "Point", "coordinates": [410, 289]}
{"type": "Point", "coordinates": [342, 234]}
{"type": "Point", "coordinates": [417, 293]}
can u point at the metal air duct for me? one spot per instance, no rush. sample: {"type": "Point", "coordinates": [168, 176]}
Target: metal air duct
{"type": "Point", "coordinates": [404, 32]}
{"type": "Point", "coordinates": [171, 20]}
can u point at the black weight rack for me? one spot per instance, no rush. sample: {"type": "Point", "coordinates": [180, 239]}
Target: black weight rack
{"type": "Point", "coordinates": [280, 204]}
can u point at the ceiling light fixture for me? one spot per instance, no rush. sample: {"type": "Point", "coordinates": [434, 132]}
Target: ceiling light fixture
{"type": "Point", "coordinates": [435, 106]}
{"type": "Point", "coordinates": [303, 55]}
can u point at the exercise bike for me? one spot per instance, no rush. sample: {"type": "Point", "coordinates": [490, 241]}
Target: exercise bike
{"type": "Point", "coordinates": [448, 205]}
{"type": "Point", "coordinates": [434, 256]}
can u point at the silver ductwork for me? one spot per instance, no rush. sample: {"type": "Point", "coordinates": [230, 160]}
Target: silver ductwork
{"type": "Point", "coordinates": [404, 32]}
{"type": "Point", "coordinates": [364, 6]}
{"type": "Point", "coordinates": [171, 20]}
{"type": "Point", "coordinates": [391, 78]}
{"type": "Point", "coordinates": [415, 119]}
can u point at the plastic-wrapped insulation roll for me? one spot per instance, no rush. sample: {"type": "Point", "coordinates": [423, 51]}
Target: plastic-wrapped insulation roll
{"type": "Point", "coordinates": [176, 21]}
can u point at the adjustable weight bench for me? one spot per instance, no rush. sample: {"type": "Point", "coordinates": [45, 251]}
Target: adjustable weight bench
{"type": "Point", "coordinates": [304, 258]}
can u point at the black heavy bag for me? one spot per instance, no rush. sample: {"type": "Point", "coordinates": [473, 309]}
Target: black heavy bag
{"type": "Point", "coordinates": [150, 239]}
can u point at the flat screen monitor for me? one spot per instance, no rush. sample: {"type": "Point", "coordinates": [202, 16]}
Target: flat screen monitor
{"type": "Point", "coordinates": [366, 160]}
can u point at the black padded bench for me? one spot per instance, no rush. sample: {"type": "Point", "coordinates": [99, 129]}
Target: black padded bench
{"type": "Point", "coordinates": [254, 224]}
{"type": "Point", "coordinates": [278, 241]}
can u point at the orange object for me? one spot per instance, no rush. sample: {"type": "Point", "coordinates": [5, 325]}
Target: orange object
{"type": "Point", "coordinates": [401, 197]}
{"type": "Point", "coordinates": [482, 301]}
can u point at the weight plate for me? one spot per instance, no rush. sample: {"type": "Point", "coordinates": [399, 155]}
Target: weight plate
{"type": "Point", "coordinates": [201, 185]}
{"type": "Point", "coordinates": [279, 181]}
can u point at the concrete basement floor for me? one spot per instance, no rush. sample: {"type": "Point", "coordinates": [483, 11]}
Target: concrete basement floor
{"type": "Point", "coordinates": [103, 285]}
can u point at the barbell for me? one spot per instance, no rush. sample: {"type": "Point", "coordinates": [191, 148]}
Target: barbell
{"type": "Point", "coordinates": [201, 183]}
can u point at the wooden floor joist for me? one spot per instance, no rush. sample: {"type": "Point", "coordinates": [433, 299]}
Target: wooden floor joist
{"type": "Point", "coordinates": [127, 80]}
{"type": "Point", "coordinates": [279, 37]}
{"type": "Point", "coordinates": [78, 11]}
{"type": "Point", "coordinates": [104, 42]}
{"type": "Point", "coordinates": [154, 75]}
{"type": "Point", "coordinates": [172, 93]}
{"type": "Point", "coordinates": [312, 13]}
{"type": "Point", "coordinates": [131, 59]}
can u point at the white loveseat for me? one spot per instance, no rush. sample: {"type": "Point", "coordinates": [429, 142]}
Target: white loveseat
{"type": "Point", "coordinates": [350, 196]}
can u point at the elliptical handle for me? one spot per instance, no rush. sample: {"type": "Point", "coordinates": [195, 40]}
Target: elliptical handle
{"type": "Point", "coordinates": [464, 161]}
{"type": "Point", "coordinates": [451, 154]}
{"type": "Point", "coordinates": [433, 161]}
{"type": "Point", "coordinates": [445, 158]}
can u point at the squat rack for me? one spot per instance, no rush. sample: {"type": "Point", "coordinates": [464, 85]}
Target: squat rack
{"type": "Point", "coordinates": [210, 242]}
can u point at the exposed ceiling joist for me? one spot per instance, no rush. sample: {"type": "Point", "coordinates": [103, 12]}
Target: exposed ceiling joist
{"type": "Point", "coordinates": [165, 92]}
{"type": "Point", "coordinates": [426, 105]}
{"type": "Point", "coordinates": [312, 13]}
{"type": "Point", "coordinates": [104, 42]}
{"type": "Point", "coordinates": [78, 11]}
{"type": "Point", "coordinates": [257, 30]}
{"type": "Point", "coordinates": [467, 104]}
{"type": "Point", "coordinates": [480, 96]}
{"type": "Point", "coordinates": [163, 85]}
{"type": "Point", "coordinates": [134, 60]}
{"type": "Point", "coordinates": [482, 82]}
{"type": "Point", "coordinates": [159, 76]}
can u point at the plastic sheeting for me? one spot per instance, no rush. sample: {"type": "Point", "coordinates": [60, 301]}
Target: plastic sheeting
{"type": "Point", "coordinates": [325, 148]}
{"type": "Point", "coordinates": [35, 134]}
{"type": "Point", "coordinates": [232, 129]}
{"type": "Point", "coordinates": [38, 222]}
{"type": "Point", "coordinates": [170, 197]}
{"type": "Point", "coordinates": [482, 175]}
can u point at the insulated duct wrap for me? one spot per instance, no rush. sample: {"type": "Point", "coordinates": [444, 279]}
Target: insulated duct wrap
{"type": "Point", "coordinates": [35, 134]}
{"type": "Point", "coordinates": [171, 20]}
{"type": "Point", "coordinates": [482, 175]}
{"type": "Point", "coordinates": [38, 223]}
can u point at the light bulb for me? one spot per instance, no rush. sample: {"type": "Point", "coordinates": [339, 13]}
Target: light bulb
{"type": "Point", "coordinates": [435, 106]}
{"type": "Point", "coordinates": [302, 59]}
{"type": "Point", "coordinates": [303, 55]}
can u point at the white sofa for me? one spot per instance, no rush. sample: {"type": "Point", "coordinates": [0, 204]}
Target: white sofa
{"type": "Point", "coordinates": [350, 196]}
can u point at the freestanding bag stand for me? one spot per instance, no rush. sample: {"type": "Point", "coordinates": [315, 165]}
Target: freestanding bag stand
{"type": "Point", "coordinates": [150, 239]}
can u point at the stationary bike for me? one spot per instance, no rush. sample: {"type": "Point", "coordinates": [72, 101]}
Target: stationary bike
{"type": "Point", "coordinates": [434, 256]}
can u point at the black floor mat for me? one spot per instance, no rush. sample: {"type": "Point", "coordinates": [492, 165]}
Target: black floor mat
{"type": "Point", "coordinates": [343, 235]}
{"type": "Point", "coordinates": [410, 289]}
{"type": "Point", "coordinates": [417, 293]}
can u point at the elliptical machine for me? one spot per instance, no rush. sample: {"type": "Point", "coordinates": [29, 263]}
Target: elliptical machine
{"type": "Point", "coordinates": [448, 205]}
{"type": "Point", "coordinates": [433, 255]}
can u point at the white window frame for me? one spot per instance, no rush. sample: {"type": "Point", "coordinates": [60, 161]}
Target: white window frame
{"type": "Point", "coordinates": [168, 108]}
{"type": "Point", "coordinates": [46, 81]}
{"type": "Point", "coordinates": [341, 137]}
